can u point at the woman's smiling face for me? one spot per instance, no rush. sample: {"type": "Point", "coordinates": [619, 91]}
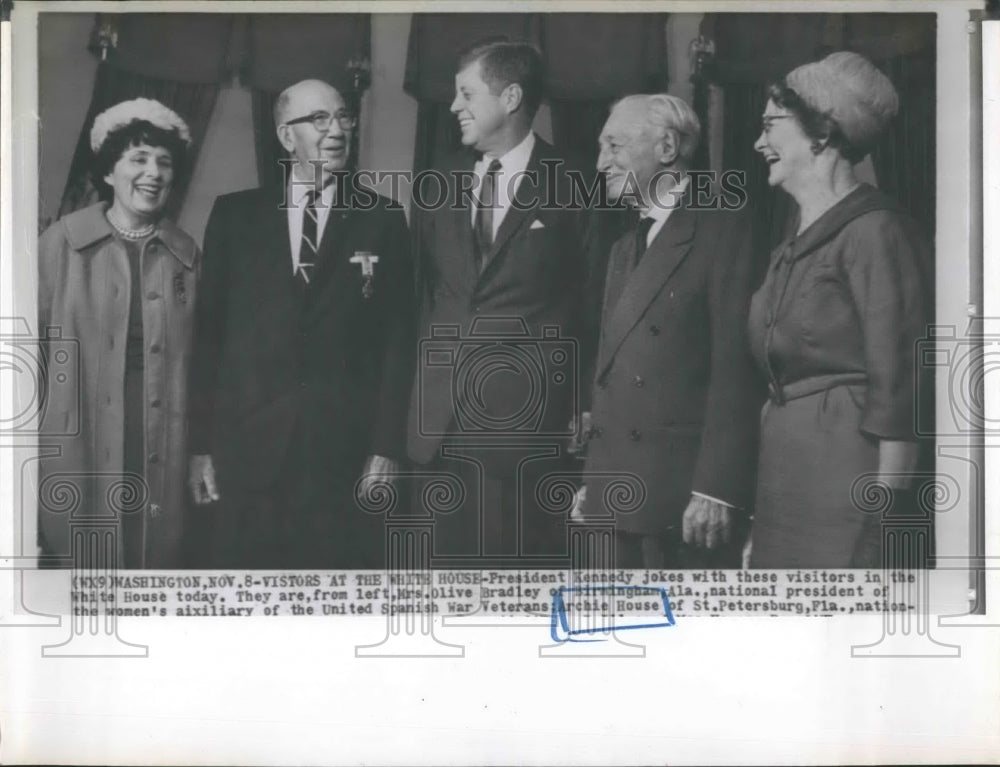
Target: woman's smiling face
{"type": "Point", "coordinates": [141, 179]}
{"type": "Point", "coordinates": [784, 146]}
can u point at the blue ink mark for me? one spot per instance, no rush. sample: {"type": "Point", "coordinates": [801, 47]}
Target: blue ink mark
{"type": "Point", "coordinates": [561, 632]}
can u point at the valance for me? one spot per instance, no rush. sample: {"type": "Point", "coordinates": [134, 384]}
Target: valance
{"type": "Point", "coordinates": [586, 55]}
{"type": "Point", "coordinates": [267, 51]}
{"type": "Point", "coordinates": [760, 47]}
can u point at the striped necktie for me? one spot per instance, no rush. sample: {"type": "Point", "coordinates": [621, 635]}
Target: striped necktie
{"type": "Point", "coordinates": [309, 246]}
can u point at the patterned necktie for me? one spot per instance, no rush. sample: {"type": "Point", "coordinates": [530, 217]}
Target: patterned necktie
{"type": "Point", "coordinates": [309, 246]}
{"type": "Point", "coordinates": [641, 235]}
{"type": "Point", "coordinates": [483, 228]}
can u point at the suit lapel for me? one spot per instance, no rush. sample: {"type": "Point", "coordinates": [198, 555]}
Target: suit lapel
{"type": "Point", "coordinates": [331, 254]}
{"type": "Point", "coordinates": [522, 207]}
{"type": "Point", "coordinates": [645, 282]}
{"type": "Point", "coordinates": [276, 245]}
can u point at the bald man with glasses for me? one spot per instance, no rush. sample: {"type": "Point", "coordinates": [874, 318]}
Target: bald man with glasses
{"type": "Point", "coordinates": [302, 352]}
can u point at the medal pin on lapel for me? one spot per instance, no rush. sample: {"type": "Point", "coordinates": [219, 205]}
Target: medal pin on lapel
{"type": "Point", "coordinates": [367, 261]}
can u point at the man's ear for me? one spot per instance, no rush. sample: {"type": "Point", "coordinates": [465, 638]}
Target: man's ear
{"type": "Point", "coordinates": [669, 148]}
{"type": "Point", "coordinates": [512, 97]}
{"type": "Point", "coordinates": [285, 137]}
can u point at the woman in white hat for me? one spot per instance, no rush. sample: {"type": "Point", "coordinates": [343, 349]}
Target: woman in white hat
{"type": "Point", "coordinates": [117, 284]}
{"type": "Point", "coordinates": [834, 326]}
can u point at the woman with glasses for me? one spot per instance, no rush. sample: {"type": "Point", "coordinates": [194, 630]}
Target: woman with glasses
{"type": "Point", "coordinates": [834, 325]}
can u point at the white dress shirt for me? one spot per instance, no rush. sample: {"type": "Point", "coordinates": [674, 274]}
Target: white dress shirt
{"type": "Point", "coordinates": [511, 173]}
{"type": "Point", "coordinates": [296, 212]}
{"type": "Point", "coordinates": [660, 213]}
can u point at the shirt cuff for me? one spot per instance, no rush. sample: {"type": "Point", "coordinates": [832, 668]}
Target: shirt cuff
{"type": "Point", "coordinates": [713, 499]}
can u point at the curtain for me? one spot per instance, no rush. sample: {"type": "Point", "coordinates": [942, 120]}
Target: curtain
{"type": "Point", "coordinates": [902, 45]}
{"type": "Point", "coordinates": [268, 148]}
{"type": "Point", "coordinates": [589, 60]}
{"type": "Point", "coordinates": [145, 62]}
{"type": "Point", "coordinates": [283, 49]}
{"type": "Point", "coordinates": [194, 102]}
{"type": "Point", "coordinates": [773, 211]}
{"type": "Point", "coordinates": [576, 125]}
{"type": "Point", "coordinates": [904, 159]}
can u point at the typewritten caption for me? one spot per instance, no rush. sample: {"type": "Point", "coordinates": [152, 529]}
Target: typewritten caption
{"type": "Point", "coordinates": [507, 593]}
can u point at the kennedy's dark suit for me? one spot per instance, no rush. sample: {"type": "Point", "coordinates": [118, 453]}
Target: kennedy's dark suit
{"type": "Point", "coordinates": [675, 397]}
{"type": "Point", "coordinates": [501, 356]}
{"type": "Point", "coordinates": [295, 385]}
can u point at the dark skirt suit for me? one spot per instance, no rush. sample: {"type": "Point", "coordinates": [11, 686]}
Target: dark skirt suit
{"type": "Point", "coordinates": [834, 327]}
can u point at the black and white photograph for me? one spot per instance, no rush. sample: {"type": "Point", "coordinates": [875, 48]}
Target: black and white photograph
{"type": "Point", "coordinates": [453, 350]}
{"type": "Point", "coordinates": [716, 399]}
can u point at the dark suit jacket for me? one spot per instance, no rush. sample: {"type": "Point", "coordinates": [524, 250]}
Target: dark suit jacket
{"type": "Point", "coordinates": [501, 350]}
{"type": "Point", "coordinates": [675, 399]}
{"type": "Point", "coordinates": [278, 367]}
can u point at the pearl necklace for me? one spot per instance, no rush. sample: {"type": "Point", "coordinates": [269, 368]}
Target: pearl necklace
{"type": "Point", "coordinates": [129, 234]}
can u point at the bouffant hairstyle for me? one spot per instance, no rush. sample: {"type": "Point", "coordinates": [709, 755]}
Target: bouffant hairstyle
{"type": "Point", "coordinates": [843, 99]}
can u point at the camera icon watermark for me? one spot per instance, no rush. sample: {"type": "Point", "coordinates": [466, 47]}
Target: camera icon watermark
{"type": "Point", "coordinates": [38, 370]}
{"type": "Point", "coordinates": [501, 381]}
{"type": "Point", "coordinates": [967, 360]}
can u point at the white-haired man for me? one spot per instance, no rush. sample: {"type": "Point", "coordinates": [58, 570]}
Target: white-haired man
{"type": "Point", "coordinates": [675, 397]}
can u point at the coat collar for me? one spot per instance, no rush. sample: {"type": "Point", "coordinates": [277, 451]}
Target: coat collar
{"type": "Point", "coordinates": [863, 199]}
{"type": "Point", "coordinates": [90, 226]}
{"type": "Point", "coordinates": [529, 195]}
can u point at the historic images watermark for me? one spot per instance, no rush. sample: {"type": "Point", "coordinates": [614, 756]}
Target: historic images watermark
{"type": "Point", "coordinates": [431, 189]}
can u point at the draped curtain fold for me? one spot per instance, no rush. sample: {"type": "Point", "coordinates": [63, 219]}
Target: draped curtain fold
{"type": "Point", "coordinates": [589, 60]}
{"type": "Point", "coordinates": [287, 48]}
{"type": "Point", "coordinates": [194, 102]}
{"type": "Point", "coordinates": [902, 45]}
{"type": "Point", "coordinates": [268, 149]}
{"type": "Point", "coordinates": [266, 53]}
{"type": "Point", "coordinates": [145, 63]}
{"type": "Point", "coordinates": [905, 158]}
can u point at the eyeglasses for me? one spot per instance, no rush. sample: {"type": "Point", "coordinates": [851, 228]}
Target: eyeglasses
{"type": "Point", "coordinates": [321, 120]}
{"type": "Point", "coordinates": [767, 121]}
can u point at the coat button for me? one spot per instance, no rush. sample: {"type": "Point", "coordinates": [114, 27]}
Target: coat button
{"type": "Point", "coordinates": [639, 382]}
{"type": "Point", "coordinates": [152, 295]}
{"type": "Point", "coordinates": [155, 348]}
{"type": "Point", "coordinates": [654, 329]}
{"type": "Point", "coordinates": [154, 457]}
{"type": "Point", "coordinates": [635, 435]}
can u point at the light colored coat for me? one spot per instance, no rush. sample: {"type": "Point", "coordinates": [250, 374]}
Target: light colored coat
{"type": "Point", "coordinates": [84, 294]}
